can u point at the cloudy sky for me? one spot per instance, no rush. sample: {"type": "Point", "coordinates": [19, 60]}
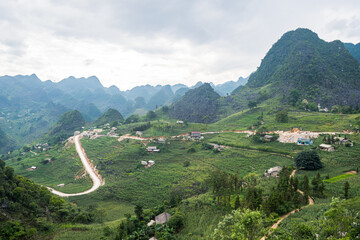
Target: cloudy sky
{"type": "Point", "coordinates": [136, 42]}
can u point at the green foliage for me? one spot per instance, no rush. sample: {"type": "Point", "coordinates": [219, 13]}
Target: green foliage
{"type": "Point", "coordinates": [197, 105]}
{"type": "Point", "coordinates": [132, 119]}
{"type": "Point", "coordinates": [346, 189]}
{"type": "Point", "coordinates": [308, 160]}
{"type": "Point", "coordinates": [338, 178]}
{"type": "Point", "coordinates": [176, 221]}
{"type": "Point", "coordinates": [301, 61]}
{"type": "Point", "coordinates": [65, 127]}
{"type": "Point", "coordinates": [282, 116]}
{"type": "Point", "coordinates": [28, 208]}
{"type": "Point", "coordinates": [252, 104]}
{"type": "Point", "coordinates": [150, 115]}
{"type": "Point", "coordinates": [240, 224]}
{"type": "Point", "coordinates": [111, 115]}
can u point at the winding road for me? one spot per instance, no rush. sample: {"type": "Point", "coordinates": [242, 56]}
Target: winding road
{"type": "Point", "coordinates": [89, 168]}
{"type": "Point", "coordinates": [275, 225]}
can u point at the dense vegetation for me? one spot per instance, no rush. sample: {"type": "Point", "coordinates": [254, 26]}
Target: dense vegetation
{"type": "Point", "coordinates": [323, 72]}
{"type": "Point", "coordinates": [65, 127]}
{"type": "Point", "coordinates": [111, 115]}
{"type": "Point", "coordinates": [354, 49]}
{"type": "Point", "coordinates": [197, 105]}
{"type": "Point", "coordinates": [29, 211]}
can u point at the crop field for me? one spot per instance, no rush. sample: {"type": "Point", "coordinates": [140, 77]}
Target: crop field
{"type": "Point", "coordinates": [308, 121]}
{"type": "Point", "coordinates": [64, 167]}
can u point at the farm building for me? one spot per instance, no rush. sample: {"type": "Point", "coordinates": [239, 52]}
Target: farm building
{"type": "Point", "coordinates": [326, 147]}
{"type": "Point", "coordinates": [268, 138]}
{"type": "Point", "coordinates": [180, 122]}
{"type": "Point", "coordinates": [304, 141]}
{"type": "Point", "coordinates": [272, 172]}
{"type": "Point", "coordinates": [152, 149]}
{"type": "Point", "coordinates": [195, 134]}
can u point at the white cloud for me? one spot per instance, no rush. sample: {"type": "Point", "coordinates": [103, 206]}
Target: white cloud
{"type": "Point", "coordinates": [129, 43]}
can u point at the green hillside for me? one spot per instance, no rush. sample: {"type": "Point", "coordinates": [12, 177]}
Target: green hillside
{"type": "Point", "coordinates": [323, 72]}
{"type": "Point", "coordinates": [6, 144]}
{"type": "Point", "coordinates": [65, 126]}
{"type": "Point", "coordinates": [111, 115]}
{"type": "Point", "coordinates": [197, 105]}
{"type": "Point", "coordinates": [354, 49]}
{"type": "Point", "coordinates": [30, 211]}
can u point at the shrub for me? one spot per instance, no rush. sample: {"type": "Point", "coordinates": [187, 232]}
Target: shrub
{"type": "Point", "coordinates": [308, 160]}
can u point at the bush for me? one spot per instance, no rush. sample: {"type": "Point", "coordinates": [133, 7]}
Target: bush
{"type": "Point", "coordinates": [308, 160]}
{"type": "Point", "coordinates": [176, 221]}
{"type": "Point", "coordinates": [282, 116]}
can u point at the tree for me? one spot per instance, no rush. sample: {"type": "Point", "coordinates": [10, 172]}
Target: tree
{"type": "Point", "coordinates": [139, 212]}
{"type": "Point", "coordinates": [346, 189]}
{"type": "Point", "coordinates": [240, 224]}
{"type": "Point", "coordinates": [294, 97]}
{"type": "Point", "coordinates": [282, 116]}
{"type": "Point", "coordinates": [308, 160]}
{"type": "Point", "coordinates": [237, 202]}
{"type": "Point", "coordinates": [252, 104]}
{"type": "Point", "coordinates": [150, 115]}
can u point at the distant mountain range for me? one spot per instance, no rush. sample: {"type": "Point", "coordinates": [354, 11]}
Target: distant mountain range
{"type": "Point", "coordinates": [29, 106]}
{"type": "Point", "coordinates": [354, 50]}
{"type": "Point", "coordinates": [321, 72]}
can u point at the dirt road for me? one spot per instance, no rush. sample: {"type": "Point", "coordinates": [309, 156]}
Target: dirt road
{"type": "Point", "coordinates": [275, 225]}
{"type": "Point", "coordinates": [89, 168]}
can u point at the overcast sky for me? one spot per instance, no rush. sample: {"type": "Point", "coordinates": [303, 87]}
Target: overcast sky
{"type": "Point", "coordinates": [137, 42]}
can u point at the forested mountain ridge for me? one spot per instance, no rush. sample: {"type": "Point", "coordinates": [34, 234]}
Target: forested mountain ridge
{"type": "Point", "coordinates": [324, 72]}
{"type": "Point", "coordinates": [354, 49]}
{"type": "Point", "coordinates": [65, 126]}
{"type": "Point", "coordinates": [197, 105]}
{"type": "Point", "coordinates": [109, 116]}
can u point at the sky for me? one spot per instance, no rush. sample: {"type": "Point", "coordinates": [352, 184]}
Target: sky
{"type": "Point", "coordinates": [138, 42]}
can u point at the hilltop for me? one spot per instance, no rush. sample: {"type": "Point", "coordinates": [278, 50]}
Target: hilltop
{"type": "Point", "coordinates": [197, 105]}
{"type": "Point", "coordinates": [66, 125]}
{"type": "Point", "coordinates": [323, 72]}
{"type": "Point", "coordinates": [111, 115]}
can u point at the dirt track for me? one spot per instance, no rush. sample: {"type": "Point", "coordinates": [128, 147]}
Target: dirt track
{"type": "Point", "coordinates": [275, 225]}
{"type": "Point", "coordinates": [89, 168]}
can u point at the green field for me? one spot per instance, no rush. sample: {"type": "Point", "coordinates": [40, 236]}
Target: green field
{"type": "Point", "coordinates": [176, 169]}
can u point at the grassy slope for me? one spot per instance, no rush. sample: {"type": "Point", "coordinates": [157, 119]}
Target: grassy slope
{"type": "Point", "coordinates": [65, 166]}
{"type": "Point", "coordinates": [128, 183]}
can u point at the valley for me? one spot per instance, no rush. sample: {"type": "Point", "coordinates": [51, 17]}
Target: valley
{"type": "Point", "coordinates": [271, 156]}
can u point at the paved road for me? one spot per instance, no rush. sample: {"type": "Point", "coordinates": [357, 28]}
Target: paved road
{"type": "Point", "coordinates": [97, 182]}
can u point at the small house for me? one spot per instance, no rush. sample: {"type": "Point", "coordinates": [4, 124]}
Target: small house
{"type": "Point", "coordinates": [273, 172]}
{"type": "Point", "coordinates": [161, 140]}
{"type": "Point", "coordinates": [195, 134]}
{"type": "Point", "coordinates": [139, 133]}
{"type": "Point", "coordinates": [268, 138]}
{"type": "Point", "coordinates": [180, 122]}
{"type": "Point", "coordinates": [152, 149]}
{"type": "Point", "coordinates": [61, 185]}
{"type": "Point", "coordinates": [304, 141]}
{"type": "Point", "coordinates": [162, 218]}
{"type": "Point", "coordinates": [326, 147]}
{"type": "Point", "coordinates": [33, 168]}
{"type": "Point", "coordinates": [151, 162]}
{"type": "Point", "coordinates": [144, 163]}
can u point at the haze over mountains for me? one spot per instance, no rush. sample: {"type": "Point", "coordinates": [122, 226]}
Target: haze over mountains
{"type": "Point", "coordinates": [323, 72]}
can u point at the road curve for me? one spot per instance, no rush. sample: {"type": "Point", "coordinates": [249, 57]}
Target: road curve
{"type": "Point", "coordinates": [96, 178]}
{"type": "Point", "coordinates": [275, 225]}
